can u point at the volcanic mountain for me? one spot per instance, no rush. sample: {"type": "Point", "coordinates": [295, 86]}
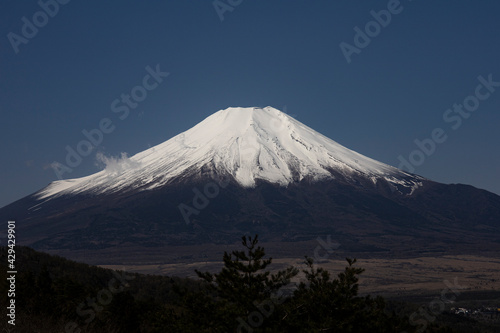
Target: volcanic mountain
{"type": "Point", "coordinates": [255, 170]}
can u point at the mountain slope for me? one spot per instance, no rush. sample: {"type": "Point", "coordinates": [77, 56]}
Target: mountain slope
{"type": "Point", "coordinates": [245, 143]}
{"type": "Point", "coordinates": [251, 170]}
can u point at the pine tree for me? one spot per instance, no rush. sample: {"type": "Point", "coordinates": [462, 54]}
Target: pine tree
{"type": "Point", "coordinates": [244, 282]}
{"type": "Point", "coordinates": [323, 304]}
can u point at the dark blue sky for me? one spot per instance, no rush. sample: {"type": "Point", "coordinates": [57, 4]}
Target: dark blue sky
{"type": "Point", "coordinates": [284, 54]}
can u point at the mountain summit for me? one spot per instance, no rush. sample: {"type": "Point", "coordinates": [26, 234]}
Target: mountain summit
{"type": "Point", "coordinates": [247, 144]}
{"type": "Point", "coordinates": [282, 180]}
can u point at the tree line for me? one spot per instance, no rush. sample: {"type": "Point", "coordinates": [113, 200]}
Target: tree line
{"type": "Point", "coordinates": [59, 295]}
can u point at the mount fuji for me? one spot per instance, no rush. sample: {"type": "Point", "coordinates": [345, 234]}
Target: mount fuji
{"type": "Point", "coordinates": [247, 144]}
{"type": "Point", "coordinates": [255, 170]}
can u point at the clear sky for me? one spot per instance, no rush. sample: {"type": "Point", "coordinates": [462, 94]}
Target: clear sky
{"type": "Point", "coordinates": [405, 72]}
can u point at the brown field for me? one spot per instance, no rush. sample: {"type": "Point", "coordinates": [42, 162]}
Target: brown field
{"type": "Point", "coordinates": [389, 277]}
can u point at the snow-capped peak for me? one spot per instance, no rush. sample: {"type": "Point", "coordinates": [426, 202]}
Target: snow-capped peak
{"type": "Point", "coordinates": [246, 143]}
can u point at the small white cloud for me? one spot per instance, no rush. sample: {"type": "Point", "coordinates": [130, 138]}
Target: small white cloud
{"type": "Point", "coordinates": [115, 165]}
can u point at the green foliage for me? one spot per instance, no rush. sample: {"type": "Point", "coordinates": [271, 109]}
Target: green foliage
{"type": "Point", "coordinates": [242, 283]}
{"type": "Point", "coordinates": [243, 279]}
{"type": "Point", "coordinates": [323, 304]}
